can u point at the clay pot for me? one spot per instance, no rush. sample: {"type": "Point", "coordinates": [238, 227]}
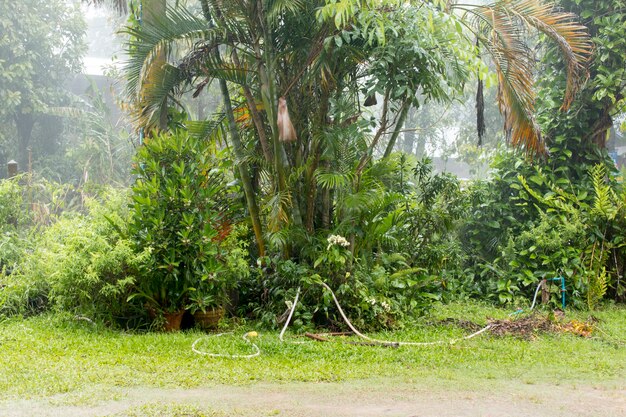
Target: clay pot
{"type": "Point", "coordinates": [172, 321]}
{"type": "Point", "coordinates": [209, 319]}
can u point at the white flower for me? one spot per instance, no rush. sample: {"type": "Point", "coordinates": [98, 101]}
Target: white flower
{"type": "Point", "coordinates": [337, 240]}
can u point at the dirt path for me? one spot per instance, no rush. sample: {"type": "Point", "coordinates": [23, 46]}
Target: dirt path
{"type": "Point", "coordinates": [357, 398]}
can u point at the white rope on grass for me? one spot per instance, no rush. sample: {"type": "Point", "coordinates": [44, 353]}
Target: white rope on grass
{"type": "Point", "coordinates": [519, 311]}
{"type": "Point", "coordinates": [226, 355]}
{"type": "Point", "coordinates": [393, 343]}
{"type": "Point", "coordinates": [346, 320]}
{"type": "Point", "coordinates": [536, 292]}
{"type": "Point", "coordinates": [293, 308]}
{"type": "Point", "coordinates": [83, 318]}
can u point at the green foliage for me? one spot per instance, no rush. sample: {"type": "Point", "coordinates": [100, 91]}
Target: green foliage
{"type": "Point", "coordinates": [390, 256]}
{"type": "Point", "coordinates": [41, 45]}
{"type": "Point", "coordinates": [597, 287]}
{"type": "Point", "coordinates": [80, 263]}
{"type": "Point", "coordinates": [12, 218]}
{"type": "Point", "coordinates": [542, 225]}
{"type": "Point", "coordinates": [564, 216]}
{"type": "Point", "coordinates": [98, 149]}
{"type": "Point", "coordinates": [181, 205]}
{"type": "Point", "coordinates": [415, 50]}
{"type": "Point", "coordinates": [580, 134]}
{"type": "Point", "coordinates": [29, 202]}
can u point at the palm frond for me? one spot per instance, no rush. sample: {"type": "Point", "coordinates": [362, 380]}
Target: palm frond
{"type": "Point", "coordinates": [502, 31]}
{"type": "Point", "coordinates": [329, 179]}
{"type": "Point", "coordinates": [275, 207]}
{"type": "Point", "coordinates": [512, 59]}
{"type": "Point", "coordinates": [276, 8]}
{"type": "Point", "coordinates": [604, 204]}
{"type": "Point", "coordinates": [159, 83]}
{"type": "Point", "coordinates": [571, 37]}
{"type": "Point", "coordinates": [213, 129]}
{"type": "Point", "coordinates": [150, 42]}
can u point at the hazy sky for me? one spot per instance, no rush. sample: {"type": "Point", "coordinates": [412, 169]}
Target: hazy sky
{"type": "Point", "coordinates": [103, 43]}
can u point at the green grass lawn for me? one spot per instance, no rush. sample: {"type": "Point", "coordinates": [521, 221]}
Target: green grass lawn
{"type": "Point", "coordinates": [54, 354]}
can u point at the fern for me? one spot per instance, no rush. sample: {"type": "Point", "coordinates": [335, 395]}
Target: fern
{"type": "Point", "coordinates": [604, 204]}
{"type": "Point", "coordinates": [597, 287]}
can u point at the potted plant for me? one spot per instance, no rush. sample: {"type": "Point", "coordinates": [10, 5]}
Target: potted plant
{"type": "Point", "coordinates": [207, 300]}
{"type": "Point", "coordinates": [206, 310]}
{"type": "Point", "coordinates": [178, 197]}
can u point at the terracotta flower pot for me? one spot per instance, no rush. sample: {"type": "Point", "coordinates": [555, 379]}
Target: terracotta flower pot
{"type": "Point", "coordinates": [210, 319]}
{"type": "Point", "coordinates": [172, 321]}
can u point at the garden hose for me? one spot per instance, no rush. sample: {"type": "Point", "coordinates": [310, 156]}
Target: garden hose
{"type": "Point", "coordinates": [535, 297]}
{"type": "Point", "coordinates": [293, 308]}
{"type": "Point", "coordinates": [346, 320]}
{"type": "Point", "coordinates": [246, 337]}
{"type": "Point", "coordinates": [393, 343]}
{"type": "Point", "coordinates": [541, 283]}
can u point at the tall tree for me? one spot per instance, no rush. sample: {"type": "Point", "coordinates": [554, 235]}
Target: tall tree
{"type": "Point", "coordinates": [41, 44]}
{"type": "Point", "coordinates": [325, 58]}
{"type": "Point", "coordinates": [584, 129]}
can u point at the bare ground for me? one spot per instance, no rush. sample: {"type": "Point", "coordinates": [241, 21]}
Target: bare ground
{"type": "Point", "coordinates": [385, 397]}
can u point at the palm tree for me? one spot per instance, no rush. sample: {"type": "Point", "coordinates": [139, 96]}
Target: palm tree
{"type": "Point", "coordinates": [324, 57]}
{"type": "Point", "coordinates": [501, 29]}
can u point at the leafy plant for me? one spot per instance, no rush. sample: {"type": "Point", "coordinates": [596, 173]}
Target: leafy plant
{"type": "Point", "coordinates": [180, 204]}
{"type": "Point", "coordinates": [12, 223]}
{"type": "Point", "coordinates": [81, 264]}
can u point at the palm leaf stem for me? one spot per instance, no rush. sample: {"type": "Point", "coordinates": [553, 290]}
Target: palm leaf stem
{"type": "Point", "coordinates": [238, 149]}
{"type": "Point", "coordinates": [404, 111]}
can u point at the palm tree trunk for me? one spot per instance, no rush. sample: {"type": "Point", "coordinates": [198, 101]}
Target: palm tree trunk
{"type": "Point", "coordinates": [24, 123]}
{"type": "Point", "coordinates": [396, 132]}
{"type": "Point", "coordinates": [265, 62]}
{"type": "Point", "coordinates": [254, 114]}
{"type": "Point", "coordinates": [238, 149]}
{"type": "Point", "coordinates": [243, 170]}
{"type": "Point", "coordinates": [370, 150]}
{"type": "Point", "coordinates": [316, 153]}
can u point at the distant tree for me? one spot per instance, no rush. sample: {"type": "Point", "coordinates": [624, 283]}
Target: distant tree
{"type": "Point", "coordinates": [119, 5]}
{"type": "Point", "coordinates": [580, 134]}
{"type": "Point", "coordinates": [41, 44]}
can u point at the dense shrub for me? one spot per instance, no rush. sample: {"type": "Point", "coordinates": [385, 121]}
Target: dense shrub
{"type": "Point", "coordinates": [12, 219]}
{"type": "Point", "coordinates": [181, 210]}
{"type": "Point", "coordinates": [391, 254]}
{"type": "Point", "coordinates": [80, 263]}
{"type": "Point", "coordinates": [529, 223]}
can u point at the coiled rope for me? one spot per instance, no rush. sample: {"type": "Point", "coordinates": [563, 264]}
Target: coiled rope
{"type": "Point", "coordinates": [257, 351]}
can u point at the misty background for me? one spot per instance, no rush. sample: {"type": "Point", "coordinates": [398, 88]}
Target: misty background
{"type": "Point", "coordinates": [78, 132]}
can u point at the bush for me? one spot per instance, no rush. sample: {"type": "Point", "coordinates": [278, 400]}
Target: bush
{"type": "Point", "coordinates": [13, 233]}
{"type": "Point", "coordinates": [529, 223]}
{"type": "Point", "coordinates": [81, 263]}
{"type": "Point", "coordinates": [180, 212]}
